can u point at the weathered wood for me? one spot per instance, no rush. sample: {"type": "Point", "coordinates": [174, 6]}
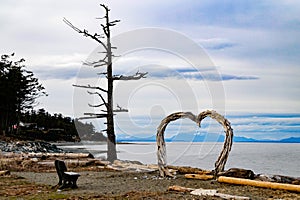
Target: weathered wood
{"type": "Point", "coordinates": [199, 176]}
{"type": "Point", "coordinates": [189, 170]}
{"type": "Point", "coordinates": [205, 192]}
{"type": "Point", "coordinates": [161, 146]}
{"type": "Point", "coordinates": [4, 173]}
{"type": "Point", "coordinates": [178, 188]}
{"type": "Point", "coordinates": [278, 179]}
{"type": "Point", "coordinates": [64, 155]}
{"type": "Point", "coordinates": [238, 173]}
{"type": "Point", "coordinates": [271, 185]}
{"type": "Point", "coordinates": [214, 193]}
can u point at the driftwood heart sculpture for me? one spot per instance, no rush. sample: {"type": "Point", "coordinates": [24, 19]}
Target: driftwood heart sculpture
{"type": "Point", "coordinates": [161, 146]}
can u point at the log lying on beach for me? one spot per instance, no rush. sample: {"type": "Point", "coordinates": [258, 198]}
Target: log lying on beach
{"type": "Point", "coordinates": [199, 176]}
{"type": "Point", "coordinates": [4, 173]}
{"type": "Point", "coordinates": [278, 179]}
{"type": "Point", "coordinates": [205, 192]}
{"type": "Point", "coordinates": [75, 163]}
{"type": "Point", "coordinates": [238, 173]}
{"type": "Point", "coordinates": [188, 170]}
{"type": "Point", "coordinates": [59, 155]}
{"type": "Point", "coordinates": [214, 193]}
{"type": "Point", "coordinates": [178, 188]}
{"type": "Point", "coordinates": [270, 185]}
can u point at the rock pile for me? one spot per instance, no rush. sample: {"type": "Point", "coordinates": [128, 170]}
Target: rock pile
{"type": "Point", "coordinates": [29, 147]}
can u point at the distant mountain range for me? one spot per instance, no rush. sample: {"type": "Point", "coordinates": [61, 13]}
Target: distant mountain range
{"type": "Point", "coordinates": [183, 137]}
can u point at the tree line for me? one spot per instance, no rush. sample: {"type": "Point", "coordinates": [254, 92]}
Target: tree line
{"type": "Point", "coordinates": [19, 90]}
{"type": "Point", "coordinates": [43, 125]}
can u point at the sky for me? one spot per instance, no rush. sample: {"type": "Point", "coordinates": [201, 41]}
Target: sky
{"type": "Point", "coordinates": [247, 53]}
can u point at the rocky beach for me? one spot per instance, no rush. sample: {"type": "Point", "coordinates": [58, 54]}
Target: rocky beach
{"type": "Point", "coordinates": [29, 172]}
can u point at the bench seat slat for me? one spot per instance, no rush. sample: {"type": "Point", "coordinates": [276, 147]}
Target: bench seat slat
{"type": "Point", "coordinates": [72, 173]}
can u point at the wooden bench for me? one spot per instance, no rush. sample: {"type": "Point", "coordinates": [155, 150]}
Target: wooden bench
{"type": "Point", "coordinates": [66, 179]}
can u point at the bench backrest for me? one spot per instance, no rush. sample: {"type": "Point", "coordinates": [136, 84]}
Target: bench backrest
{"type": "Point", "coordinates": [60, 167]}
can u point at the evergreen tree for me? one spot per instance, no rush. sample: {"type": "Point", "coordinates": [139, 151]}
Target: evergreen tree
{"type": "Point", "coordinates": [19, 90]}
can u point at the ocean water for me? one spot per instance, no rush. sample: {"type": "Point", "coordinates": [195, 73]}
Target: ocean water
{"type": "Point", "coordinates": [265, 158]}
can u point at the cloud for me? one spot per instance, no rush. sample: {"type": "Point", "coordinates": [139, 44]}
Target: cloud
{"type": "Point", "coordinates": [56, 73]}
{"type": "Point", "coordinates": [64, 66]}
{"type": "Point", "coordinates": [217, 43]}
{"type": "Point", "coordinates": [254, 44]}
{"type": "Point", "coordinates": [209, 74]}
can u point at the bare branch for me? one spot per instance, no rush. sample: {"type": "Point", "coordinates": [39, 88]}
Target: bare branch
{"type": "Point", "coordinates": [85, 33]}
{"type": "Point", "coordinates": [95, 106]}
{"type": "Point", "coordinates": [102, 73]}
{"type": "Point", "coordinates": [97, 93]}
{"type": "Point", "coordinates": [136, 76]}
{"type": "Point", "coordinates": [100, 17]}
{"type": "Point", "coordinates": [90, 87]}
{"type": "Point", "coordinates": [120, 109]}
{"type": "Point", "coordinates": [91, 114]}
{"type": "Point", "coordinates": [105, 30]}
{"type": "Point", "coordinates": [105, 7]}
{"type": "Point", "coordinates": [94, 64]}
{"type": "Point", "coordinates": [115, 21]}
{"type": "Point", "coordinates": [94, 117]}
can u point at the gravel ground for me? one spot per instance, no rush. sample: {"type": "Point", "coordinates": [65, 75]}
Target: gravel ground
{"type": "Point", "coordinates": [119, 185]}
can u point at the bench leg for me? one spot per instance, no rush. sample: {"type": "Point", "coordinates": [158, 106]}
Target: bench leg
{"type": "Point", "coordinates": [69, 183]}
{"type": "Point", "coordinates": [74, 184]}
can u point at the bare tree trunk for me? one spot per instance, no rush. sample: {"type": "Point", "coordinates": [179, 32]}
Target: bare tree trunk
{"type": "Point", "coordinates": [106, 61]}
{"type": "Point", "coordinates": [111, 137]}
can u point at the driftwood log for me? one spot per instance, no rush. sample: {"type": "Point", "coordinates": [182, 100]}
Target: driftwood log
{"type": "Point", "coordinates": [59, 155]}
{"type": "Point", "coordinates": [4, 173]}
{"type": "Point", "coordinates": [262, 184]}
{"type": "Point", "coordinates": [161, 145]}
{"type": "Point", "coordinates": [199, 176]}
{"type": "Point", "coordinates": [205, 192]}
{"type": "Point", "coordinates": [238, 173]}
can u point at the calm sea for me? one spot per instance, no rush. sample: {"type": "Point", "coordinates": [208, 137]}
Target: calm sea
{"type": "Point", "coordinates": [266, 158]}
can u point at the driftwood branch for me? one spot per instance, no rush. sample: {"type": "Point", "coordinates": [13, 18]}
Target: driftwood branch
{"type": "Point", "coordinates": [161, 146]}
{"type": "Point", "coordinates": [160, 140]}
{"type": "Point", "coordinates": [136, 76]}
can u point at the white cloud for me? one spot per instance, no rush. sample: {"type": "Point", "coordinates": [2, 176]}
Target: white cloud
{"type": "Point", "coordinates": [246, 39]}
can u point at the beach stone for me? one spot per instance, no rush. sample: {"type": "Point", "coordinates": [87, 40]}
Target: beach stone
{"type": "Point", "coordinates": [29, 147]}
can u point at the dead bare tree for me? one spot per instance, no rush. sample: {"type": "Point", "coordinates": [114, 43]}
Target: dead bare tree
{"type": "Point", "coordinates": [106, 105]}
